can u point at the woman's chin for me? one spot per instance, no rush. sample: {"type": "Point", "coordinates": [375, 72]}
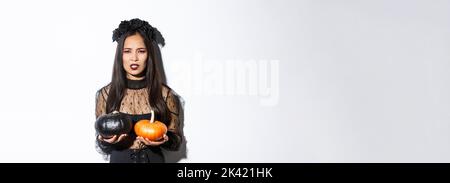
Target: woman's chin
{"type": "Point", "coordinates": [135, 74]}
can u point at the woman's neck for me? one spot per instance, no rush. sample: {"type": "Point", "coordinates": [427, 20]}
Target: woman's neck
{"type": "Point", "coordinates": [131, 77]}
{"type": "Point", "coordinates": [136, 83]}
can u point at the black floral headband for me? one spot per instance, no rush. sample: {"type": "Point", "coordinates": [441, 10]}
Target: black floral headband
{"type": "Point", "coordinates": [141, 26]}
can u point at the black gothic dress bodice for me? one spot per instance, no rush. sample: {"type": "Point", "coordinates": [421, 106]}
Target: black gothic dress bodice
{"type": "Point", "coordinates": [135, 104]}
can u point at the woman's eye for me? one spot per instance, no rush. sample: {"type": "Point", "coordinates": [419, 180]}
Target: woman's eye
{"type": "Point", "coordinates": [141, 51]}
{"type": "Point", "coordinates": [126, 51]}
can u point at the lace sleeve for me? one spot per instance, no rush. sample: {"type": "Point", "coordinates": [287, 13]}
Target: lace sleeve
{"type": "Point", "coordinates": [100, 103]}
{"type": "Point", "coordinates": [102, 147]}
{"type": "Point", "coordinates": [175, 105]}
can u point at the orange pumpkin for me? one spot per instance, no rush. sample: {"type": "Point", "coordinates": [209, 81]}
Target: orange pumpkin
{"type": "Point", "coordinates": [151, 129]}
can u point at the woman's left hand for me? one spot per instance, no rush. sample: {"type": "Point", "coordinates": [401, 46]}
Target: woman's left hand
{"type": "Point", "coordinates": [148, 142]}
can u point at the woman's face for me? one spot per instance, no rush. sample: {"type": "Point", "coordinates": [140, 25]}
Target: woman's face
{"type": "Point", "coordinates": [134, 56]}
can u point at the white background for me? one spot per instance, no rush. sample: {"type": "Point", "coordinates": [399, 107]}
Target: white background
{"type": "Point", "coordinates": [357, 81]}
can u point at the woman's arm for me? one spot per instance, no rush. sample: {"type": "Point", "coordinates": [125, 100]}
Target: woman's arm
{"type": "Point", "coordinates": [174, 131]}
{"type": "Point", "coordinates": [102, 147]}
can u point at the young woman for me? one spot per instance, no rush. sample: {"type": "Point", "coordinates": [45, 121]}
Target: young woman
{"type": "Point", "coordinates": [137, 87]}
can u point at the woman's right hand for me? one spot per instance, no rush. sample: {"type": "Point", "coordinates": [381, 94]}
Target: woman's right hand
{"type": "Point", "coordinates": [114, 139]}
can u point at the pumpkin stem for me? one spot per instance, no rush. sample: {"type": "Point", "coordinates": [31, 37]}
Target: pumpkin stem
{"type": "Point", "coordinates": [153, 116]}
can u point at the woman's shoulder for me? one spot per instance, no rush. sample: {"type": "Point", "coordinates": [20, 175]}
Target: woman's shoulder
{"type": "Point", "coordinates": [174, 101]}
{"type": "Point", "coordinates": [169, 94]}
{"type": "Point", "coordinates": [104, 90]}
{"type": "Point", "coordinates": [167, 91]}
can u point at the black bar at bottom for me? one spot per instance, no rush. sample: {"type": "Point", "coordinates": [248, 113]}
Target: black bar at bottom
{"type": "Point", "coordinates": [225, 172]}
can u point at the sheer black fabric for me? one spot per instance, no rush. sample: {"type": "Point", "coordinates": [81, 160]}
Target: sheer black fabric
{"type": "Point", "coordinates": [135, 103]}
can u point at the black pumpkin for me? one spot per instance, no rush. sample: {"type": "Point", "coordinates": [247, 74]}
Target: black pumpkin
{"type": "Point", "coordinates": [114, 123]}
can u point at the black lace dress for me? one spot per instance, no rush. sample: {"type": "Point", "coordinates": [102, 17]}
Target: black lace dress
{"type": "Point", "coordinates": [135, 105]}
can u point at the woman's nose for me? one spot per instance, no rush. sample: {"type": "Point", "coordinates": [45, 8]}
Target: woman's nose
{"type": "Point", "coordinates": [134, 57]}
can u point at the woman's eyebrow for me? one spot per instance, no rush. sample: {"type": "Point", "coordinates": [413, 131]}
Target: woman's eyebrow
{"type": "Point", "coordinates": [136, 48]}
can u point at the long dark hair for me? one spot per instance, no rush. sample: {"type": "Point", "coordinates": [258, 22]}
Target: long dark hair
{"type": "Point", "coordinates": [154, 74]}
